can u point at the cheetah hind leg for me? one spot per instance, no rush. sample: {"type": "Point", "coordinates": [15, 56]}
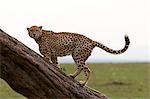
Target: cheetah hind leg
{"type": "Point", "coordinates": [77, 72]}
{"type": "Point", "coordinates": [86, 71]}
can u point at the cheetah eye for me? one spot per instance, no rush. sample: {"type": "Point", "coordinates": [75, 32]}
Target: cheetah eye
{"type": "Point", "coordinates": [36, 30]}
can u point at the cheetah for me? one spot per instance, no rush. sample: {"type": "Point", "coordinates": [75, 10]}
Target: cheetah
{"type": "Point", "coordinates": [53, 45]}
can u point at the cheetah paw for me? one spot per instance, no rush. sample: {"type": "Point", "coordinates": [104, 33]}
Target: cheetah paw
{"type": "Point", "coordinates": [82, 83]}
{"type": "Point", "coordinates": [71, 75]}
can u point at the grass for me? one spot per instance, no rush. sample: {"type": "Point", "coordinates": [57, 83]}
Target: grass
{"type": "Point", "coordinates": [7, 93]}
{"type": "Point", "coordinates": [118, 81]}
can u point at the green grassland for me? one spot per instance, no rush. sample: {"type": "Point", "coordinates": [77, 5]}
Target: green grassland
{"type": "Point", "coordinates": [117, 80]}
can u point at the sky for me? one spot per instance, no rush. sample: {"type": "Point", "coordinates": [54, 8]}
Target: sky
{"type": "Point", "coordinates": [106, 21]}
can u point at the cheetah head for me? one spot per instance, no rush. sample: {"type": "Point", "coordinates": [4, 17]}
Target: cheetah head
{"type": "Point", "coordinates": [35, 32]}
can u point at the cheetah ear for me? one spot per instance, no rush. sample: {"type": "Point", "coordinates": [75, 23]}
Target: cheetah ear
{"type": "Point", "coordinates": [40, 27]}
{"type": "Point", "coordinates": [27, 28]}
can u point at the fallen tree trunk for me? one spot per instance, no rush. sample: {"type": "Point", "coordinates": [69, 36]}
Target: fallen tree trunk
{"type": "Point", "coordinates": [28, 74]}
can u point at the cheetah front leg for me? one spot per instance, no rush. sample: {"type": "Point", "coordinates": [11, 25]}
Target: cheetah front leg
{"type": "Point", "coordinates": [46, 53]}
{"type": "Point", "coordinates": [54, 60]}
{"type": "Point", "coordinates": [47, 57]}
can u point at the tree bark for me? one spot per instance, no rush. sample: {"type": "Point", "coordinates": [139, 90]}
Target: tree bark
{"type": "Point", "coordinates": [28, 74]}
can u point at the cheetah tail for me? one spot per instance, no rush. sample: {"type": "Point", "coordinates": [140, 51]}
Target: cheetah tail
{"type": "Point", "coordinates": [127, 42]}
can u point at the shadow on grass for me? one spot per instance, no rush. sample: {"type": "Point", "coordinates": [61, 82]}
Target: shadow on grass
{"type": "Point", "coordinates": [115, 82]}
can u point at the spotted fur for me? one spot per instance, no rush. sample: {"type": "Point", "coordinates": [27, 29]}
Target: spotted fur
{"type": "Point", "coordinates": [53, 45]}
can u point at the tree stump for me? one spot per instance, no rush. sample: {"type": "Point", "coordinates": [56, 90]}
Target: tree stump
{"type": "Point", "coordinates": [28, 74]}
